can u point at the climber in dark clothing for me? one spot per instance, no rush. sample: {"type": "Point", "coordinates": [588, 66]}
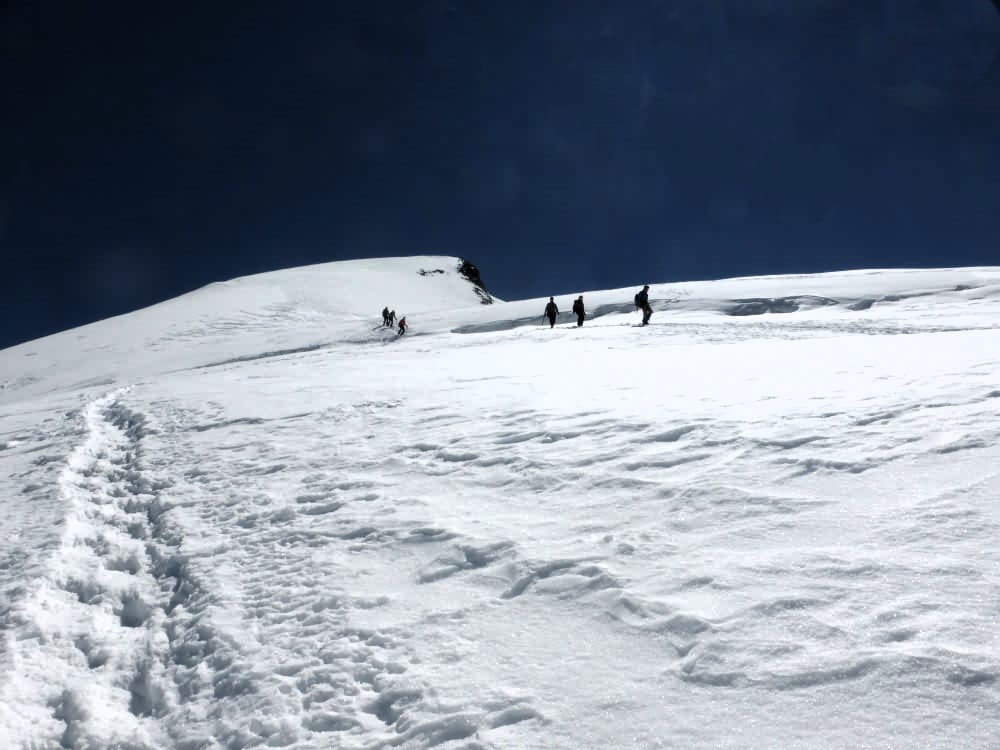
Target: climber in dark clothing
{"type": "Point", "coordinates": [578, 310]}
{"type": "Point", "coordinates": [642, 303]}
{"type": "Point", "coordinates": [385, 316]}
{"type": "Point", "coordinates": [551, 311]}
{"type": "Point", "coordinates": [390, 318]}
{"type": "Point", "coordinates": [402, 325]}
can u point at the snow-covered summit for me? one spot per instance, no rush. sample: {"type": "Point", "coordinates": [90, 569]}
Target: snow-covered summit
{"type": "Point", "coordinates": [352, 287]}
{"type": "Point", "coordinates": [274, 311]}
{"type": "Point", "coordinates": [253, 517]}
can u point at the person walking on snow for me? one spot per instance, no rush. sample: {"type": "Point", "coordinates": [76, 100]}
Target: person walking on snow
{"type": "Point", "coordinates": [385, 316]}
{"type": "Point", "coordinates": [578, 310]}
{"type": "Point", "coordinates": [642, 303]}
{"type": "Point", "coordinates": [551, 311]}
{"type": "Point", "coordinates": [402, 325]}
{"type": "Point", "coordinates": [391, 318]}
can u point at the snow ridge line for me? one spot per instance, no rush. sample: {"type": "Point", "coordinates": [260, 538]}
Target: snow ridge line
{"type": "Point", "coordinates": [92, 639]}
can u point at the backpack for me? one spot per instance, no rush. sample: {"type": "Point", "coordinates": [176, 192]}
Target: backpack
{"type": "Point", "coordinates": [638, 304]}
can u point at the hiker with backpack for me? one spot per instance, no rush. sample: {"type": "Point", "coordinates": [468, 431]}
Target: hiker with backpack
{"type": "Point", "coordinates": [385, 316]}
{"type": "Point", "coordinates": [402, 325]}
{"type": "Point", "coordinates": [578, 310]}
{"type": "Point", "coordinates": [551, 311]}
{"type": "Point", "coordinates": [391, 318]}
{"type": "Point", "coordinates": [642, 303]}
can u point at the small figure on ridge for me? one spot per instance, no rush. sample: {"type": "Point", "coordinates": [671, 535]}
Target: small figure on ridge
{"type": "Point", "coordinates": [551, 311]}
{"type": "Point", "coordinates": [642, 303]}
{"type": "Point", "coordinates": [578, 310]}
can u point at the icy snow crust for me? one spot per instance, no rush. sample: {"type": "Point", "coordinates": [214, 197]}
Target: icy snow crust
{"type": "Point", "coordinates": [251, 517]}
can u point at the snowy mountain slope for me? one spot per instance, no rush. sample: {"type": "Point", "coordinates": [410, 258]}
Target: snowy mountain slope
{"type": "Point", "coordinates": [293, 308]}
{"type": "Point", "coordinates": [728, 529]}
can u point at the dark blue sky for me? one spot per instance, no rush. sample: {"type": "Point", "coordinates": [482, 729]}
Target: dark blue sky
{"type": "Point", "coordinates": [148, 149]}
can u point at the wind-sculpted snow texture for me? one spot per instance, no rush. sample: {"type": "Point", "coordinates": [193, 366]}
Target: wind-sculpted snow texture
{"type": "Point", "coordinates": [767, 520]}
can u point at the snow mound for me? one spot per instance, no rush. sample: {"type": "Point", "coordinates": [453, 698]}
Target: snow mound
{"type": "Point", "coordinates": [347, 288]}
{"type": "Point", "coordinates": [291, 310]}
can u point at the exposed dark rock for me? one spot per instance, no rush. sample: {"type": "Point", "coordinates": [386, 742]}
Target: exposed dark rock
{"type": "Point", "coordinates": [471, 273]}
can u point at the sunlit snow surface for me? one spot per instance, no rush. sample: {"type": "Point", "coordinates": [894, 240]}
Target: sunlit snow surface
{"type": "Point", "coordinates": [250, 517]}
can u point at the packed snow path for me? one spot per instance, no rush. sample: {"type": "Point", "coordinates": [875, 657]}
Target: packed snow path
{"type": "Point", "coordinates": [715, 532]}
